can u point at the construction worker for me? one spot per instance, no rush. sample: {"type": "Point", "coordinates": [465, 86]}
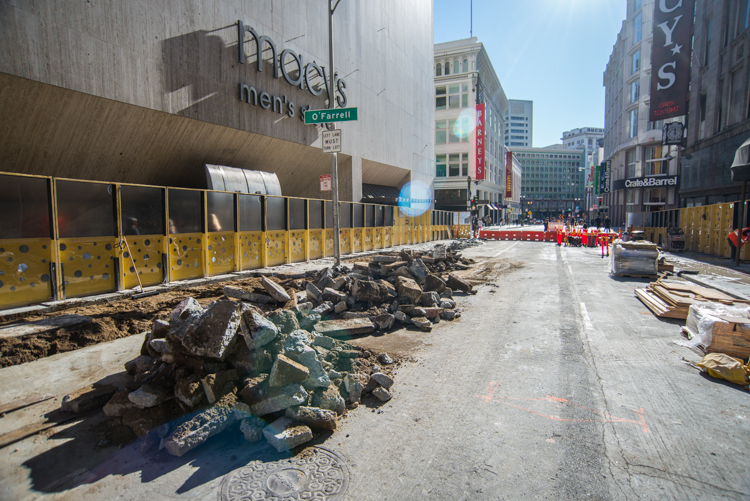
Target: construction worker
{"type": "Point", "coordinates": [732, 239]}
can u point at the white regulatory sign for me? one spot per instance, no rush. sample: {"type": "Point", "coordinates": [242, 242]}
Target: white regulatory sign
{"type": "Point", "coordinates": [332, 141]}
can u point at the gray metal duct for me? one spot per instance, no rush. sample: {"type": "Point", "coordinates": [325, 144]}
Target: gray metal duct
{"type": "Point", "coordinates": [223, 178]}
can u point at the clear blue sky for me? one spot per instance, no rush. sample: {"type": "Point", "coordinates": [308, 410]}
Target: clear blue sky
{"type": "Point", "coordinates": [552, 52]}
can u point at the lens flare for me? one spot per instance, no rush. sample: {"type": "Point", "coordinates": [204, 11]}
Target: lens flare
{"type": "Point", "coordinates": [415, 198]}
{"type": "Point", "coordinates": [466, 123]}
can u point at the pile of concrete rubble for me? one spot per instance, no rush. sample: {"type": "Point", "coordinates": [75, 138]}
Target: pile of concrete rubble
{"type": "Point", "coordinates": [273, 360]}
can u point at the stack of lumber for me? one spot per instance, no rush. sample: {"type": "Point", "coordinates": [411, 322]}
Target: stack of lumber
{"type": "Point", "coordinates": [671, 299]}
{"type": "Point", "coordinates": [718, 329]}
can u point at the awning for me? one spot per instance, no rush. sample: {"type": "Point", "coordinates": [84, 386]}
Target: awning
{"type": "Point", "coordinates": [741, 165]}
{"type": "Point", "coordinates": [376, 193]}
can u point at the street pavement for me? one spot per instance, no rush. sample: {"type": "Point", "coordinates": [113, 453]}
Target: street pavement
{"type": "Point", "coordinates": [556, 383]}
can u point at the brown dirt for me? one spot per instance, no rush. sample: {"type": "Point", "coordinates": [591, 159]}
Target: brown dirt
{"type": "Point", "coordinates": [113, 320]}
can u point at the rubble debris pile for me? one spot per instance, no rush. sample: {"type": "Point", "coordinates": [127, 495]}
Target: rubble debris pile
{"type": "Point", "coordinates": [275, 366]}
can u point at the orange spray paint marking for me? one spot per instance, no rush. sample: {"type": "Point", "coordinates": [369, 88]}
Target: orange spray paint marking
{"type": "Point", "coordinates": [604, 417]}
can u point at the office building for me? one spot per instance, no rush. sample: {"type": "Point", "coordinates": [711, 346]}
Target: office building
{"type": "Point", "coordinates": [520, 119]}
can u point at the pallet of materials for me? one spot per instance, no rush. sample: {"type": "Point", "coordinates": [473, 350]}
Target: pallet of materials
{"type": "Point", "coordinates": [671, 299]}
{"type": "Point", "coordinates": [718, 328]}
{"type": "Point", "coordinates": [634, 259]}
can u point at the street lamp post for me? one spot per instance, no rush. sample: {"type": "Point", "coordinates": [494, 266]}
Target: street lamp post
{"type": "Point", "coordinates": [334, 156]}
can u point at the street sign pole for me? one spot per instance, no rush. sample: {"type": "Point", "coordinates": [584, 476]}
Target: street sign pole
{"type": "Point", "coordinates": [334, 155]}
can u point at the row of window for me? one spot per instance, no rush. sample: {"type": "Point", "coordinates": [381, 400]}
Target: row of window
{"type": "Point", "coordinates": [452, 131]}
{"type": "Point", "coordinates": [654, 162]}
{"type": "Point", "coordinates": [464, 67]}
{"type": "Point", "coordinates": [452, 97]}
{"type": "Point", "coordinates": [547, 155]}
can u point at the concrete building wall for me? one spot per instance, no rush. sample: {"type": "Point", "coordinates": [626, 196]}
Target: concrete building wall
{"type": "Point", "coordinates": [149, 91]}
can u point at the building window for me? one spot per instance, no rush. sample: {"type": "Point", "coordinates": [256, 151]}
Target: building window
{"type": "Point", "coordinates": [440, 165]}
{"type": "Point", "coordinates": [638, 28]}
{"type": "Point", "coordinates": [656, 196]}
{"type": "Point", "coordinates": [458, 164]}
{"type": "Point", "coordinates": [633, 124]}
{"type": "Point", "coordinates": [636, 5]}
{"type": "Point", "coordinates": [631, 161]}
{"type": "Point", "coordinates": [441, 132]}
{"type": "Point", "coordinates": [636, 62]}
{"type": "Point", "coordinates": [743, 16]}
{"type": "Point", "coordinates": [735, 98]}
{"type": "Point", "coordinates": [720, 106]}
{"type": "Point", "coordinates": [635, 91]}
{"type": "Point", "coordinates": [654, 164]}
{"type": "Point", "coordinates": [708, 42]}
{"type": "Point", "coordinates": [455, 66]}
{"type": "Point", "coordinates": [447, 68]}
{"type": "Point", "coordinates": [658, 125]}
{"type": "Point", "coordinates": [466, 66]}
{"type": "Point", "coordinates": [702, 132]}
{"type": "Point", "coordinates": [440, 98]}
{"type": "Point", "coordinates": [630, 197]}
{"type": "Point", "coordinates": [458, 130]}
{"type": "Point", "coordinates": [439, 70]}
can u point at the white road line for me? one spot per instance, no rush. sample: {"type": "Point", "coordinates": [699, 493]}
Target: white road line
{"type": "Point", "coordinates": [586, 320]}
{"type": "Point", "coordinates": [509, 248]}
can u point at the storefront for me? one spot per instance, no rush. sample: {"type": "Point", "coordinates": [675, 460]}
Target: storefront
{"type": "Point", "coordinates": [151, 93]}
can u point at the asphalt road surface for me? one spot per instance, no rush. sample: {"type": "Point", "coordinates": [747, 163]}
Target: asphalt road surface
{"type": "Point", "coordinates": [556, 383]}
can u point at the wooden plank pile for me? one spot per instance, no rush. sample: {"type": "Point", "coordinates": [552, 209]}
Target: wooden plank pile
{"type": "Point", "coordinates": [669, 299]}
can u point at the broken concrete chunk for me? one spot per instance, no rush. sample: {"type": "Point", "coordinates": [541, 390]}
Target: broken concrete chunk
{"type": "Point", "coordinates": [447, 303]}
{"type": "Point", "coordinates": [341, 306]}
{"type": "Point", "coordinates": [326, 342]}
{"type": "Point", "coordinates": [385, 359]}
{"type": "Point", "coordinates": [313, 293]}
{"type": "Point", "coordinates": [198, 430]}
{"type": "Point", "coordinates": [314, 417]}
{"type": "Point", "coordinates": [140, 364]}
{"type": "Point", "coordinates": [219, 384]}
{"type": "Point", "coordinates": [189, 391]}
{"type": "Point", "coordinates": [408, 288]}
{"type": "Point", "coordinates": [382, 394]}
{"type": "Point", "coordinates": [433, 314]}
{"type": "Point", "coordinates": [252, 429]}
{"type": "Point", "coordinates": [365, 290]}
{"type": "Point", "coordinates": [449, 314]}
{"type": "Point", "coordinates": [385, 321]}
{"type": "Point", "coordinates": [434, 283]}
{"type": "Point", "coordinates": [87, 398]}
{"type": "Point", "coordinates": [402, 317]}
{"type": "Point", "coordinates": [339, 283]}
{"type": "Point", "coordinates": [348, 315]}
{"type": "Point", "coordinates": [455, 282]}
{"type": "Point", "coordinates": [142, 421]}
{"type": "Point", "coordinates": [304, 308]}
{"type": "Point", "coordinates": [355, 394]}
{"type": "Point", "coordinates": [422, 323]}
{"type": "Point", "coordinates": [161, 346]}
{"type": "Point", "coordinates": [429, 299]}
{"type": "Point", "coordinates": [384, 259]}
{"type": "Point", "coordinates": [383, 380]}
{"type": "Point", "coordinates": [307, 322]}
{"type": "Point", "coordinates": [334, 296]}
{"type": "Point", "coordinates": [257, 329]}
{"type": "Point", "coordinates": [329, 399]}
{"type": "Point", "coordinates": [254, 390]}
{"type": "Point", "coordinates": [323, 279]}
{"type": "Point", "coordinates": [118, 405]}
{"type": "Point", "coordinates": [275, 290]}
{"type": "Point", "coordinates": [417, 312]}
{"type": "Point", "coordinates": [284, 434]}
{"type": "Point", "coordinates": [323, 308]}
{"type": "Point", "coordinates": [237, 293]}
{"type": "Point", "coordinates": [419, 270]}
{"type": "Point", "coordinates": [318, 378]}
{"type": "Point", "coordinates": [278, 399]}
{"type": "Point", "coordinates": [150, 395]}
{"type": "Point", "coordinates": [286, 371]}
{"type": "Point", "coordinates": [344, 328]}
{"type": "Point", "coordinates": [214, 334]}
{"type": "Point", "coordinates": [187, 310]}
{"type": "Point", "coordinates": [285, 320]}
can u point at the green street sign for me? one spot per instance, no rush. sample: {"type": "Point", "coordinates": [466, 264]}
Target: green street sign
{"type": "Point", "coordinates": [328, 115]}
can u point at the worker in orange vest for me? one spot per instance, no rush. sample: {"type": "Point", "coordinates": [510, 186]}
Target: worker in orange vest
{"type": "Point", "coordinates": [732, 238]}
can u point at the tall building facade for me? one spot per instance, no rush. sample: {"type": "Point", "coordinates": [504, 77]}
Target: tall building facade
{"type": "Point", "coordinates": [520, 119]}
{"type": "Point", "coordinates": [643, 173]}
{"type": "Point", "coordinates": [149, 93]}
{"type": "Point", "coordinates": [553, 180]}
{"type": "Point", "coordinates": [586, 138]}
{"type": "Point", "coordinates": [465, 78]}
{"type": "Point", "coordinates": [719, 113]}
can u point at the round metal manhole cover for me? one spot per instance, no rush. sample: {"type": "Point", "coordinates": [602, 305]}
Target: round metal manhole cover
{"type": "Point", "coordinates": [316, 473]}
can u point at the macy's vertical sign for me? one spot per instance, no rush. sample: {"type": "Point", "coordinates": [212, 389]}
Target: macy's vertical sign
{"type": "Point", "coordinates": [480, 142]}
{"type": "Point", "coordinates": [670, 58]}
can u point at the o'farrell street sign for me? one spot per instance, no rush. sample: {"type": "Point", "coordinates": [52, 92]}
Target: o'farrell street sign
{"type": "Point", "coordinates": [330, 115]}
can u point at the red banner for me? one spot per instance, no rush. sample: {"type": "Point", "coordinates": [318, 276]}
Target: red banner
{"type": "Point", "coordinates": [508, 174]}
{"type": "Point", "coordinates": [480, 142]}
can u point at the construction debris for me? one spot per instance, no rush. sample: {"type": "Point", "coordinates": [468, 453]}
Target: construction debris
{"type": "Point", "coordinates": [672, 299]}
{"type": "Point", "coordinates": [634, 259]}
{"type": "Point", "coordinates": [277, 365]}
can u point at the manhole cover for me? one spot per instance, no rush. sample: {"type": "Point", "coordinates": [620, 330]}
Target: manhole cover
{"type": "Point", "coordinates": [316, 473]}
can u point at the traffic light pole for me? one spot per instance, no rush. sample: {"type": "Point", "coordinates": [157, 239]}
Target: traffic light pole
{"type": "Point", "coordinates": [334, 156]}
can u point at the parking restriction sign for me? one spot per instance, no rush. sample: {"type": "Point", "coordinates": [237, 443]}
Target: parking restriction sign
{"type": "Point", "coordinates": [325, 182]}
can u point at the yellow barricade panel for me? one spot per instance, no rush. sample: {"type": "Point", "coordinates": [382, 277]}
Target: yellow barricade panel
{"type": "Point", "coordinates": [369, 242]}
{"type": "Point", "coordinates": [25, 273]}
{"type": "Point", "coordinates": [357, 239]}
{"type": "Point", "coordinates": [251, 250]}
{"type": "Point", "coordinates": [147, 254]}
{"type": "Point", "coordinates": [329, 243]}
{"type": "Point", "coordinates": [276, 250]}
{"type": "Point", "coordinates": [186, 256]}
{"type": "Point", "coordinates": [220, 253]}
{"type": "Point", "coordinates": [345, 241]}
{"type": "Point", "coordinates": [387, 237]}
{"type": "Point", "coordinates": [317, 244]}
{"type": "Point", "coordinates": [378, 237]}
{"type": "Point", "coordinates": [88, 265]}
{"type": "Point", "coordinates": [297, 248]}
